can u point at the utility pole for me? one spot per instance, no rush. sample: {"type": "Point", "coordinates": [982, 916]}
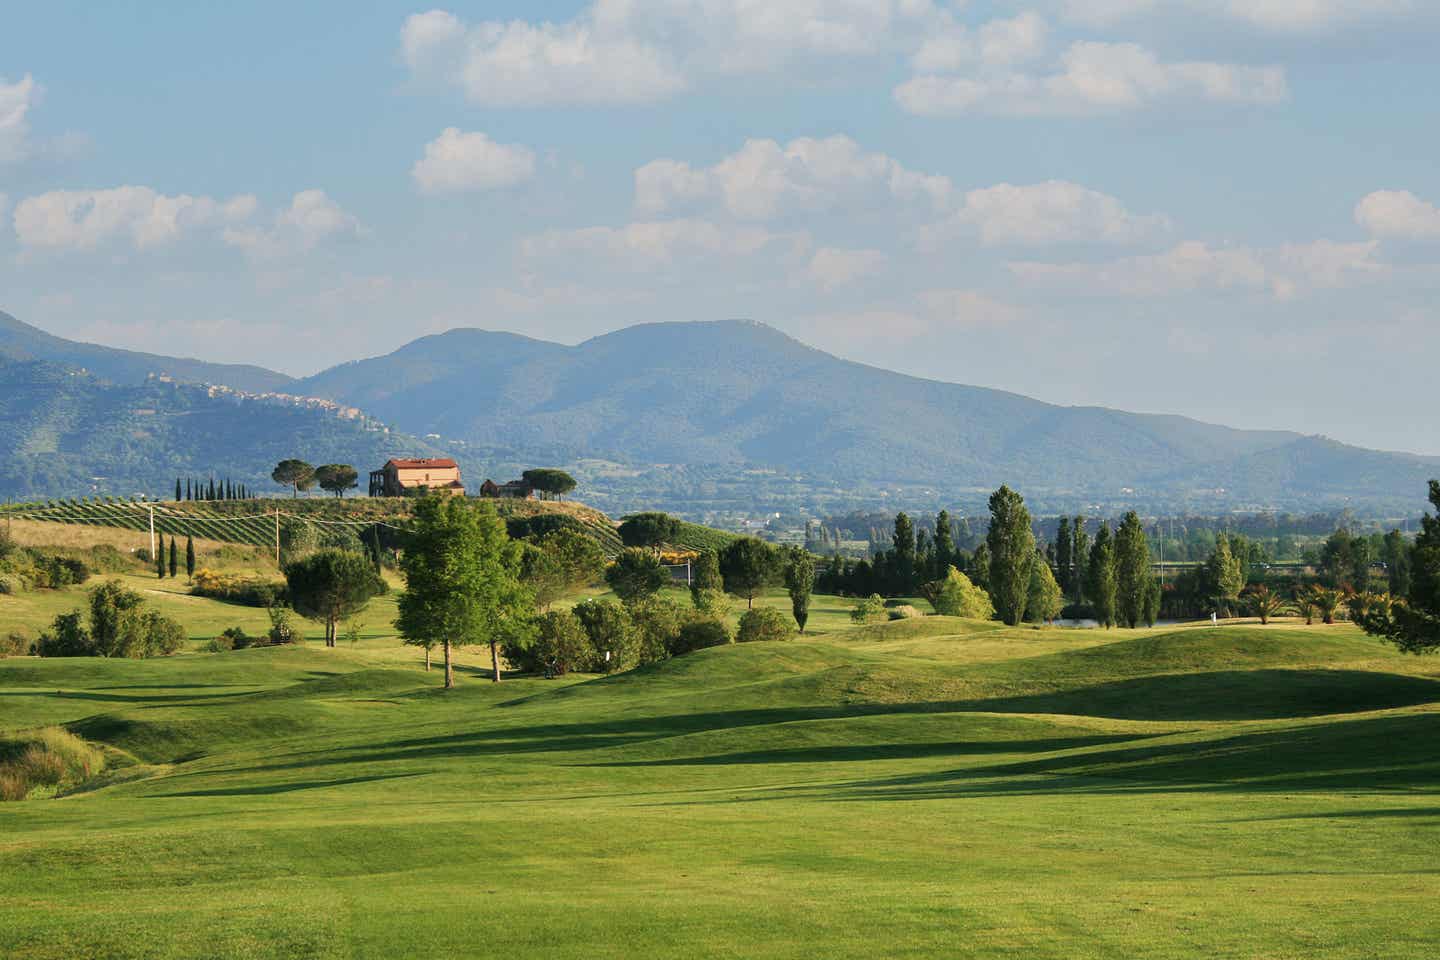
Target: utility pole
{"type": "Point", "coordinates": [152, 533]}
{"type": "Point", "coordinates": [277, 537]}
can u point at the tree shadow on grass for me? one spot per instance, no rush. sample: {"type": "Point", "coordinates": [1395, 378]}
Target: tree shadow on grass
{"type": "Point", "coordinates": [1369, 753]}
{"type": "Point", "coordinates": [276, 788]}
{"type": "Point", "coordinates": [848, 753]}
{"type": "Point", "coordinates": [1228, 695]}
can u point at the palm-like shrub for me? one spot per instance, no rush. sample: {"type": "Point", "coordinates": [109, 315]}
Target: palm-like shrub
{"type": "Point", "coordinates": [1265, 603]}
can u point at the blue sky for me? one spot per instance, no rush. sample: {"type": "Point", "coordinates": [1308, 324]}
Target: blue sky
{"type": "Point", "coordinates": [1228, 209]}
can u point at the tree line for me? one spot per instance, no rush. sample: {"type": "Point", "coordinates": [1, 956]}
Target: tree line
{"type": "Point", "coordinates": [210, 489]}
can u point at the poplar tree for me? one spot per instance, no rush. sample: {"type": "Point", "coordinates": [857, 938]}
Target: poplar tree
{"type": "Point", "coordinates": [903, 550]}
{"type": "Point", "coordinates": [1132, 571]}
{"type": "Point", "coordinates": [799, 583]}
{"type": "Point", "coordinates": [1012, 553]}
{"type": "Point", "coordinates": [1079, 556]}
{"type": "Point", "coordinates": [944, 550]}
{"type": "Point", "coordinates": [1100, 577]}
{"type": "Point", "coordinates": [1063, 563]}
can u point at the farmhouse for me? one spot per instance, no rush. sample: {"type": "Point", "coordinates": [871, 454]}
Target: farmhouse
{"type": "Point", "coordinates": [514, 490]}
{"type": "Point", "coordinates": [399, 477]}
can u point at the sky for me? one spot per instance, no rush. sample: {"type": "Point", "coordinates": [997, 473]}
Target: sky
{"type": "Point", "coordinates": [1228, 209]}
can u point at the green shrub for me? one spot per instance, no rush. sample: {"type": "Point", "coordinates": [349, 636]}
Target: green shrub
{"type": "Point", "coordinates": [10, 584]}
{"type": "Point", "coordinates": [611, 631]}
{"type": "Point", "coordinates": [245, 591]}
{"type": "Point", "coordinates": [119, 626]}
{"type": "Point", "coordinates": [957, 596]}
{"type": "Point", "coordinates": [903, 612]}
{"type": "Point", "coordinates": [699, 633]}
{"type": "Point", "coordinates": [282, 626]}
{"type": "Point", "coordinates": [560, 643]}
{"type": "Point", "coordinates": [869, 609]}
{"type": "Point", "coordinates": [761, 624]}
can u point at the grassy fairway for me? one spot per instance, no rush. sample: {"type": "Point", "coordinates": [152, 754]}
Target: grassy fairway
{"type": "Point", "coordinates": [921, 789]}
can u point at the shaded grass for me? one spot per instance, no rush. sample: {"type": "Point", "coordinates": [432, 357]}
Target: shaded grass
{"type": "Point", "coordinates": [924, 789]}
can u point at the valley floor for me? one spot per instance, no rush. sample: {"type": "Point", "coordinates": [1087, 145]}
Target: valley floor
{"type": "Point", "coordinates": [925, 788]}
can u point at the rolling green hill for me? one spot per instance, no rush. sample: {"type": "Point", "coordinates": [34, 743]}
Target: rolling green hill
{"type": "Point", "coordinates": [918, 789]}
{"type": "Point", "coordinates": [703, 409]}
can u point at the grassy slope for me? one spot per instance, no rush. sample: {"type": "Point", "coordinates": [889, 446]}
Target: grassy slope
{"type": "Point", "coordinates": [917, 789]}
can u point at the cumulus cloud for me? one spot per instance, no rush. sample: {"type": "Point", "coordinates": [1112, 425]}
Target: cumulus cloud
{"type": "Point", "coordinates": [764, 179]}
{"type": "Point", "coordinates": [662, 242]}
{"type": "Point", "coordinates": [1053, 212]}
{"type": "Point", "coordinates": [86, 219]}
{"type": "Point", "coordinates": [311, 219]}
{"type": "Point", "coordinates": [993, 70]}
{"type": "Point", "coordinates": [831, 268]}
{"type": "Point", "coordinates": [1398, 215]}
{"type": "Point", "coordinates": [619, 51]}
{"type": "Point", "coordinates": [456, 161]}
{"type": "Point", "coordinates": [1283, 272]}
{"type": "Point", "coordinates": [16, 99]}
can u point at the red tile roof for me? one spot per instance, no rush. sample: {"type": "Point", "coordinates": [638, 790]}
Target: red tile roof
{"type": "Point", "coordinates": [442, 464]}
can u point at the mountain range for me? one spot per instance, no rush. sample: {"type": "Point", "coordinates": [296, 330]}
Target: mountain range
{"type": "Point", "coordinates": [733, 398]}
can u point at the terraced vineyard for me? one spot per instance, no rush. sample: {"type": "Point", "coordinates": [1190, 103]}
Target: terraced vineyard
{"type": "Point", "coordinates": [252, 522]}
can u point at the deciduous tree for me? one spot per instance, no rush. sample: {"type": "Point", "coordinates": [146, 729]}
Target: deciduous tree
{"type": "Point", "coordinates": [1133, 578]}
{"type": "Point", "coordinates": [1100, 577]}
{"type": "Point", "coordinates": [1012, 554]}
{"type": "Point", "coordinates": [799, 583]}
{"type": "Point", "coordinates": [462, 580]}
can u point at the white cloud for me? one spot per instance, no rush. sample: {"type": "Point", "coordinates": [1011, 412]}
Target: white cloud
{"type": "Point", "coordinates": [1043, 213]}
{"type": "Point", "coordinates": [952, 46]}
{"type": "Point", "coordinates": [622, 51]}
{"type": "Point", "coordinates": [832, 268]}
{"type": "Point", "coordinates": [16, 99]}
{"type": "Point", "coordinates": [86, 219]}
{"type": "Point", "coordinates": [764, 180]}
{"type": "Point", "coordinates": [1398, 215]}
{"type": "Point", "coordinates": [931, 313]}
{"type": "Point", "coordinates": [655, 243]}
{"type": "Point", "coordinates": [1089, 77]}
{"type": "Point", "coordinates": [456, 161]}
{"type": "Point", "coordinates": [311, 219]}
{"type": "Point", "coordinates": [1275, 15]}
{"type": "Point", "coordinates": [1283, 272]}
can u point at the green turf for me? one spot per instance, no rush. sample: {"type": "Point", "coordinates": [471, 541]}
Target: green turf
{"type": "Point", "coordinates": [932, 788]}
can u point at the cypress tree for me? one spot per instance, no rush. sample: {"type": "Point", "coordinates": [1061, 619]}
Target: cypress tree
{"type": "Point", "coordinates": [1012, 552]}
{"type": "Point", "coordinates": [189, 495]}
{"type": "Point", "coordinates": [173, 565]}
{"type": "Point", "coordinates": [1132, 571]}
{"type": "Point", "coordinates": [189, 557]}
{"type": "Point", "coordinates": [1100, 577]}
{"type": "Point", "coordinates": [177, 488]}
{"type": "Point", "coordinates": [160, 558]}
